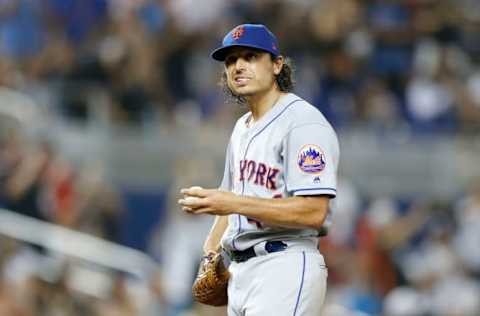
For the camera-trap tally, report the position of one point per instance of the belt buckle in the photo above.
(275, 246)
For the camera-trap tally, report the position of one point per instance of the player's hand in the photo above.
(197, 200)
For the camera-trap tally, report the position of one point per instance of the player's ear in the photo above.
(278, 65)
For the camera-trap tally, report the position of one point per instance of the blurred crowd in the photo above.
(36, 181)
(385, 66)
(36, 279)
(397, 257)
(409, 64)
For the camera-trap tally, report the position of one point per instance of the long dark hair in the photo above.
(284, 79)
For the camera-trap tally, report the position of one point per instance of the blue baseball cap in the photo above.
(248, 35)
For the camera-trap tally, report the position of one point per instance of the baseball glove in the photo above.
(210, 285)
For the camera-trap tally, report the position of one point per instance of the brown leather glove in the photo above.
(210, 285)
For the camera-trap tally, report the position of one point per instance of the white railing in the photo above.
(76, 244)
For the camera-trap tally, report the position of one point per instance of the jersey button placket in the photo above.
(244, 138)
(243, 156)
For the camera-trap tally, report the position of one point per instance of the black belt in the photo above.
(244, 255)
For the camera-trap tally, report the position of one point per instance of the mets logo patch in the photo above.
(311, 159)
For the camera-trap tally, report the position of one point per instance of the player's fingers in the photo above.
(187, 209)
(190, 210)
(194, 191)
(202, 210)
(192, 202)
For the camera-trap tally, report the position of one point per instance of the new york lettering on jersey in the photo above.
(258, 173)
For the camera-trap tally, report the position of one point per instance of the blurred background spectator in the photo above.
(108, 107)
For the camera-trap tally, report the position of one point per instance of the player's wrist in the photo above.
(209, 252)
(228, 203)
(211, 248)
(247, 205)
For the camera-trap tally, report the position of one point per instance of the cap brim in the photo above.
(220, 53)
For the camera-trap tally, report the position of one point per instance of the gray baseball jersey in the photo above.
(291, 151)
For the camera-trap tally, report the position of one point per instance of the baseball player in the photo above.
(280, 174)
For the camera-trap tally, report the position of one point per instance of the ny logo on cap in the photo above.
(238, 32)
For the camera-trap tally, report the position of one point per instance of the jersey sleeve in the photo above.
(227, 181)
(311, 154)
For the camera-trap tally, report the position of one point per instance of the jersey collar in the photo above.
(272, 113)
